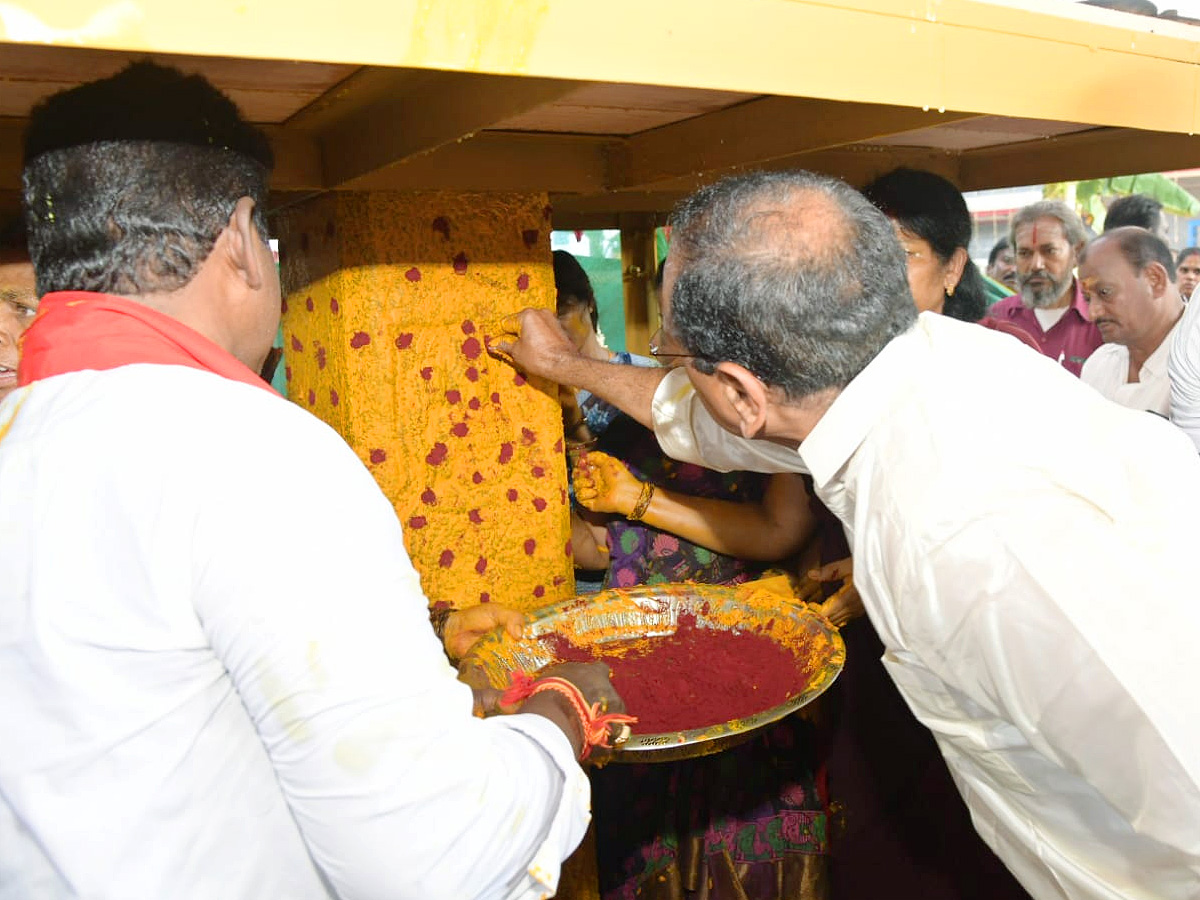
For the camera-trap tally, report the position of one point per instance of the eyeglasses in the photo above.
(657, 353)
(702, 363)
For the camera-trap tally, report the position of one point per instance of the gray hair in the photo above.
(1072, 225)
(793, 275)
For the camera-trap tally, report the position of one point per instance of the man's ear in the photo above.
(1156, 277)
(746, 395)
(243, 244)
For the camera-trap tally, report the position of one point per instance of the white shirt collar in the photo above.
(845, 425)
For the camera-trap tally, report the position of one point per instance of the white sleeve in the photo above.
(308, 596)
(687, 431)
(1183, 368)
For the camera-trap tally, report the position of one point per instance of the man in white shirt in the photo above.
(1039, 613)
(1183, 370)
(1126, 279)
(196, 705)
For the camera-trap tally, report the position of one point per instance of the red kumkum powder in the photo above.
(696, 678)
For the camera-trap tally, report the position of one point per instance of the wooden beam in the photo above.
(603, 210)
(297, 160)
(812, 48)
(1097, 153)
(856, 164)
(427, 110)
(500, 161)
(759, 133)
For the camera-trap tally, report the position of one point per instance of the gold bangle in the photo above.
(643, 503)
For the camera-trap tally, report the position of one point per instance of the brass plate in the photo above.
(623, 615)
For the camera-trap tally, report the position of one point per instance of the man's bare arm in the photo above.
(537, 345)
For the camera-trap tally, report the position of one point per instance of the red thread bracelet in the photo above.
(595, 725)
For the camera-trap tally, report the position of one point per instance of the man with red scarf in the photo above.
(195, 706)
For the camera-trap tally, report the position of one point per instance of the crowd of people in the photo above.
(1001, 461)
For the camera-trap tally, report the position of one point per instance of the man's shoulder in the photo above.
(1010, 306)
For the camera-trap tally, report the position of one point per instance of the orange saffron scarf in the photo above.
(76, 331)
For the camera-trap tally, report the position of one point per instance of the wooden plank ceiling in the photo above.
(600, 148)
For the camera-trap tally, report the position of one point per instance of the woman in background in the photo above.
(18, 301)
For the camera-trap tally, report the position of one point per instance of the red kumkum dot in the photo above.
(558, 448)
(530, 546)
(522, 282)
(308, 304)
(477, 478)
(570, 550)
(417, 522)
(428, 497)
(485, 597)
(321, 357)
(506, 451)
(468, 327)
(296, 345)
(496, 397)
(287, 372)
(538, 472)
(378, 456)
(511, 494)
(333, 397)
(446, 560)
(427, 372)
(471, 348)
(453, 397)
(312, 397)
(283, 306)
(472, 374)
(481, 565)
(539, 504)
(360, 340)
(459, 429)
(442, 226)
(539, 591)
(475, 517)
(404, 341)
(333, 304)
(528, 436)
(460, 264)
(518, 379)
(473, 403)
(437, 455)
(558, 579)
(413, 274)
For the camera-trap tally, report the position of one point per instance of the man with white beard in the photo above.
(1047, 237)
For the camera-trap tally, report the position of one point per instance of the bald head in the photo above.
(1139, 247)
(792, 275)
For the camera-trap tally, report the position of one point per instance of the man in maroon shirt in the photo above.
(1050, 308)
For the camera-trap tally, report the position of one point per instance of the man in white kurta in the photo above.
(1038, 612)
(1183, 369)
(1127, 279)
(217, 673)
(1022, 545)
(201, 702)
